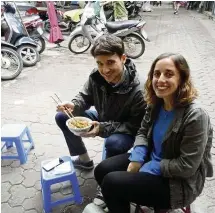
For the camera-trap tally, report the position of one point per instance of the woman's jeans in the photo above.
(114, 144)
(120, 188)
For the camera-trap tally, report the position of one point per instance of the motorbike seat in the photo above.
(120, 25)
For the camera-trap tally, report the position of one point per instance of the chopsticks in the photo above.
(66, 111)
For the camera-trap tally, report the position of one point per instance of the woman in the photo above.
(171, 155)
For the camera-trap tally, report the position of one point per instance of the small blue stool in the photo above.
(14, 133)
(49, 178)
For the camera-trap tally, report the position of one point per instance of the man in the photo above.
(116, 93)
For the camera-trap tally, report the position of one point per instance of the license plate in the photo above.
(40, 30)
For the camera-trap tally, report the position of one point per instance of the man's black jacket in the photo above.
(120, 109)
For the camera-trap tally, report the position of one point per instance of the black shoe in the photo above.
(78, 164)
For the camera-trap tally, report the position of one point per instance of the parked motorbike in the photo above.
(11, 62)
(34, 26)
(66, 21)
(15, 34)
(91, 27)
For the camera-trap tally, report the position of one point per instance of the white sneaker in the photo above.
(106, 209)
(92, 208)
(99, 200)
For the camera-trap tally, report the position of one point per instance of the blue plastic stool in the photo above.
(49, 178)
(14, 133)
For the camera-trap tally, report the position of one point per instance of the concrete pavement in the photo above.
(26, 100)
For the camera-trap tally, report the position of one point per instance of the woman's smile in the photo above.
(162, 88)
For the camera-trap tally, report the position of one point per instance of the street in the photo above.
(27, 100)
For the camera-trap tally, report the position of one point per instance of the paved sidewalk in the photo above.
(26, 100)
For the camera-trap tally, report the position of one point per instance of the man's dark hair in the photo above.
(108, 45)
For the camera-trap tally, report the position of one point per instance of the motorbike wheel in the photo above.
(41, 44)
(29, 55)
(83, 44)
(47, 26)
(11, 63)
(130, 42)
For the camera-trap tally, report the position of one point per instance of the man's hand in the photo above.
(62, 106)
(94, 132)
(134, 167)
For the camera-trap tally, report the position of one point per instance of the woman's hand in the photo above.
(134, 167)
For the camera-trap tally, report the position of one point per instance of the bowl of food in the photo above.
(79, 125)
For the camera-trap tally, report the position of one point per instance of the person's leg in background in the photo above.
(176, 7)
(75, 143)
(189, 5)
(119, 187)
